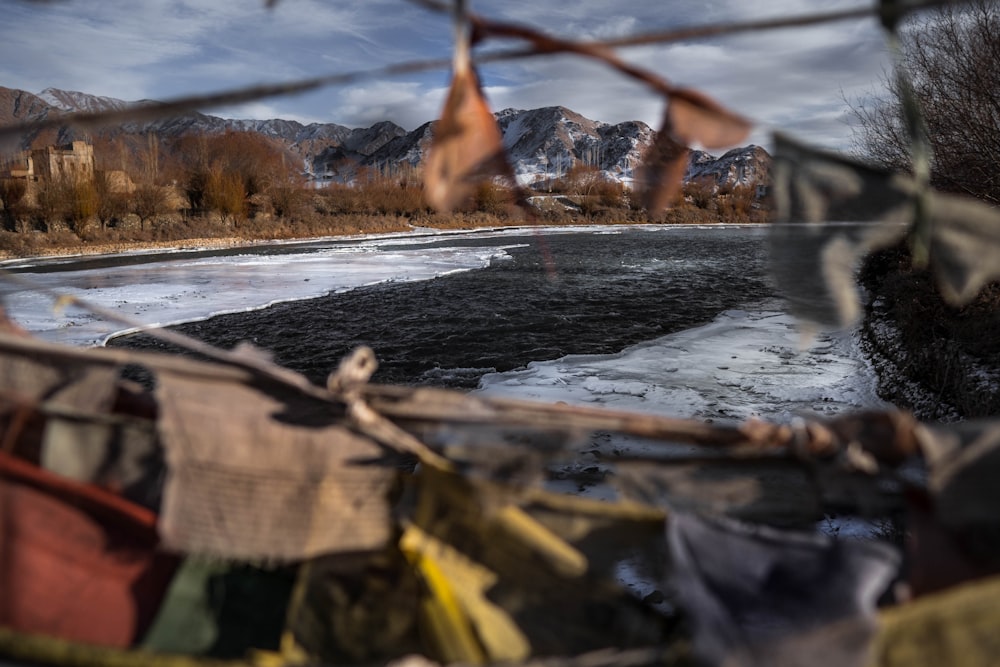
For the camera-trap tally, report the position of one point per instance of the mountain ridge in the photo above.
(543, 144)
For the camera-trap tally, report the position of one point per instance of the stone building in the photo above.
(69, 163)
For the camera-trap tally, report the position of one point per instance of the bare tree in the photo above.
(112, 205)
(147, 202)
(225, 193)
(84, 201)
(951, 58)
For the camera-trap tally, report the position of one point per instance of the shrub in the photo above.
(951, 58)
(700, 194)
(50, 203)
(195, 186)
(287, 201)
(612, 194)
(258, 164)
(492, 198)
(735, 204)
(378, 197)
(688, 215)
(16, 244)
(12, 192)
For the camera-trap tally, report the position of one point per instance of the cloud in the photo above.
(159, 49)
(52, 45)
(163, 48)
(265, 111)
(794, 80)
(407, 104)
(585, 87)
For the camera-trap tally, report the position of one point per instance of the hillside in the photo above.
(543, 143)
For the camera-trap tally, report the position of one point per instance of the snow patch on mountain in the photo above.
(75, 101)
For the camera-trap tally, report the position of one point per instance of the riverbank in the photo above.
(81, 248)
(331, 216)
(174, 231)
(941, 363)
(138, 246)
(28, 245)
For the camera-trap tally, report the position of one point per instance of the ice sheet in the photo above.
(742, 365)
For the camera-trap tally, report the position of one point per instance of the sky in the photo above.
(796, 80)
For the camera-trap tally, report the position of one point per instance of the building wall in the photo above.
(118, 181)
(73, 162)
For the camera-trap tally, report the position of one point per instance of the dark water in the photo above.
(608, 291)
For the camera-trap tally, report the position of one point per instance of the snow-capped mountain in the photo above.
(747, 166)
(543, 144)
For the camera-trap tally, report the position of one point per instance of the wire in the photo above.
(188, 104)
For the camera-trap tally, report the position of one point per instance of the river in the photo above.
(676, 320)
